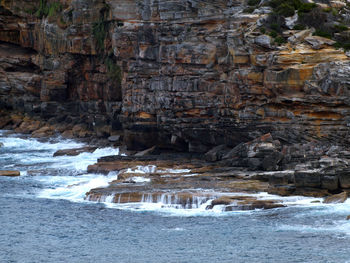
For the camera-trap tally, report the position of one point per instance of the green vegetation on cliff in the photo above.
(113, 70)
(287, 8)
(99, 31)
(48, 9)
(331, 22)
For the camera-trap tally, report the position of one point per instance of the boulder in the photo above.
(335, 199)
(317, 42)
(68, 134)
(300, 36)
(224, 200)
(10, 173)
(251, 205)
(291, 21)
(44, 131)
(238, 151)
(4, 120)
(338, 4)
(263, 153)
(216, 153)
(264, 41)
(75, 151)
(271, 161)
(254, 164)
(114, 138)
(1, 144)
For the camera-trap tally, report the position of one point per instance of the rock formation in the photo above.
(185, 74)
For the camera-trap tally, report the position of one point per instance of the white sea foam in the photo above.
(73, 188)
(142, 169)
(169, 210)
(81, 161)
(33, 144)
(64, 177)
(140, 179)
(334, 227)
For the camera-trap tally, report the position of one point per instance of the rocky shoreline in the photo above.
(242, 95)
(186, 179)
(265, 164)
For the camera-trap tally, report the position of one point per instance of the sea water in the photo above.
(45, 218)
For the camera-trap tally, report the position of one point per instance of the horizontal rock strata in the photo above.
(202, 77)
(187, 75)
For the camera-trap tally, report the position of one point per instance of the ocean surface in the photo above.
(44, 218)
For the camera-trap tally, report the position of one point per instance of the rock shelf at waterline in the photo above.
(192, 183)
(10, 173)
(169, 180)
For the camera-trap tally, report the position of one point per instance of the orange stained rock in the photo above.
(193, 112)
(144, 115)
(308, 55)
(261, 112)
(277, 119)
(318, 131)
(325, 115)
(256, 76)
(241, 59)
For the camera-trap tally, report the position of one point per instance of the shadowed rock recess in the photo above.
(237, 81)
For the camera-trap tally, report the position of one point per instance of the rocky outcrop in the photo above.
(186, 75)
(10, 173)
(196, 76)
(190, 184)
(74, 152)
(338, 198)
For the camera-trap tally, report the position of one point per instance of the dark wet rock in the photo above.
(10, 173)
(114, 138)
(282, 190)
(330, 182)
(75, 151)
(222, 201)
(257, 204)
(216, 153)
(335, 199)
(271, 161)
(280, 178)
(309, 178)
(263, 153)
(344, 178)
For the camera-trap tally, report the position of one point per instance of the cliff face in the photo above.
(184, 74)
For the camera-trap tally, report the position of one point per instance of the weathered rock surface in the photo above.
(338, 198)
(75, 151)
(176, 186)
(192, 76)
(186, 75)
(9, 173)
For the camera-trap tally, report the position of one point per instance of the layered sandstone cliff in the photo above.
(182, 74)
